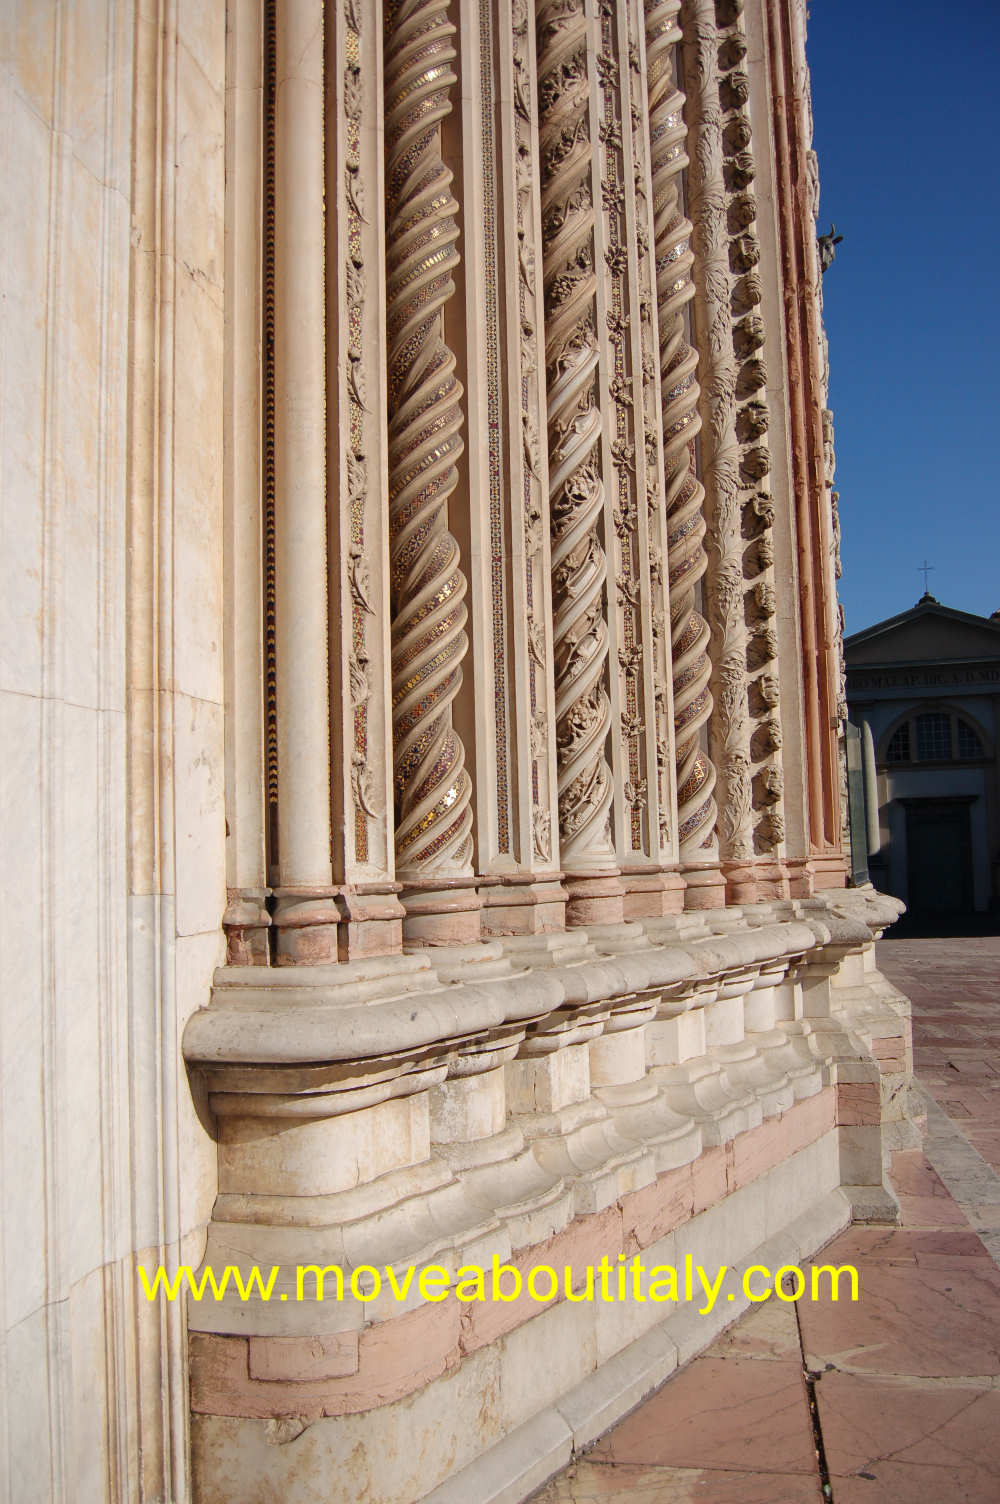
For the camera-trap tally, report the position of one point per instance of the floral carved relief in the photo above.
(721, 217)
(532, 412)
(367, 800)
(681, 423)
(742, 602)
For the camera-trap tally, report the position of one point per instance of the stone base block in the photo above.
(447, 915)
(594, 899)
(531, 908)
(872, 1203)
(704, 886)
(653, 895)
(486, 1403)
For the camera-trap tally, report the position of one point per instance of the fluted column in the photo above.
(688, 561)
(432, 787)
(306, 920)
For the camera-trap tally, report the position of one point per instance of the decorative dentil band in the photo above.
(576, 489)
(696, 814)
(433, 789)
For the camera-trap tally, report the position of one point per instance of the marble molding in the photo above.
(819, 622)
(543, 1098)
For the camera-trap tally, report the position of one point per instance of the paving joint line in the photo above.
(809, 1378)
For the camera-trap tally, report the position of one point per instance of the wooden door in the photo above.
(939, 858)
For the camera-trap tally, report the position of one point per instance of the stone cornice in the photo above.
(384, 1010)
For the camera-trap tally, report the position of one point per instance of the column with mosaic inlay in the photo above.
(433, 789)
(587, 727)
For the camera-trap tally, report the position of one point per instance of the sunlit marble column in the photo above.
(305, 917)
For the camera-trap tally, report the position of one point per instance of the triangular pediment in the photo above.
(929, 633)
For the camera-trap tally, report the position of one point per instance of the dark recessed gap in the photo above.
(809, 1379)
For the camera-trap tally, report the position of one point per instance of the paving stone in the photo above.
(744, 1413)
(941, 1439)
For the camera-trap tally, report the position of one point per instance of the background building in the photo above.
(927, 683)
(421, 691)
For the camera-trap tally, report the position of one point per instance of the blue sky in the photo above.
(905, 106)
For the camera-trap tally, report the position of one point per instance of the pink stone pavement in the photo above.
(906, 1382)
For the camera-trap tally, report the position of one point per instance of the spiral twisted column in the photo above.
(433, 790)
(576, 489)
(687, 559)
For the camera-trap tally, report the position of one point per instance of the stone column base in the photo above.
(306, 926)
(704, 886)
(446, 912)
(522, 905)
(653, 895)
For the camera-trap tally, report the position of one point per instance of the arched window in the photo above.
(969, 744)
(898, 749)
(934, 736)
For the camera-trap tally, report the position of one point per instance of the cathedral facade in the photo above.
(423, 691)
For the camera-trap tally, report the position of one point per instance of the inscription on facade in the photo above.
(923, 678)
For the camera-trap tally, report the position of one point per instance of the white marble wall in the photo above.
(110, 678)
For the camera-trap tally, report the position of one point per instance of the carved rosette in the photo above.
(576, 489)
(687, 560)
(433, 789)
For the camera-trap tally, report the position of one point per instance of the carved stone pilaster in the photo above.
(433, 790)
(535, 600)
(721, 219)
(635, 522)
(752, 424)
(663, 820)
(576, 483)
(696, 775)
(796, 199)
(627, 455)
(367, 793)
